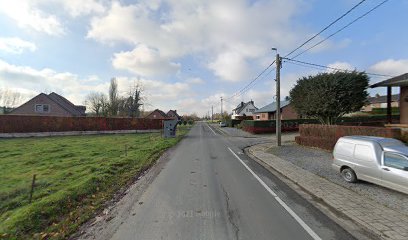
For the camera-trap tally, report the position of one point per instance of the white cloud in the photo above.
(230, 66)
(28, 79)
(341, 65)
(82, 7)
(23, 79)
(27, 15)
(16, 45)
(391, 67)
(227, 34)
(144, 61)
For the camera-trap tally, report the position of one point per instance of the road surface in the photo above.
(209, 189)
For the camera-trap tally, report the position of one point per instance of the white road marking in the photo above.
(211, 129)
(283, 204)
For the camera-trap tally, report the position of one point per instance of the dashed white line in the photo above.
(282, 203)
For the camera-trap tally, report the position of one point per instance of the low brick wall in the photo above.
(32, 124)
(325, 136)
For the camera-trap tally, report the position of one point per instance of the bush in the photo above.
(190, 122)
(268, 126)
(184, 122)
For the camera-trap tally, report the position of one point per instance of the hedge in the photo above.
(257, 126)
(233, 122)
(326, 136)
(268, 126)
(394, 110)
(24, 124)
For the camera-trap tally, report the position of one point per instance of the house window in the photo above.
(154, 115)
(42, 108)
(257, 117)
(251, 110)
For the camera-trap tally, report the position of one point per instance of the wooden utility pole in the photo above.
(278, 114)
(221, 109)
(212, 113)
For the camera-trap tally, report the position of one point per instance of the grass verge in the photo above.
(75, 175)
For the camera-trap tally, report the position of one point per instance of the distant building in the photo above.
(50, 105)
(157, 114)
(268, 112)
(380, 102)
(173, 115)
(244, 109)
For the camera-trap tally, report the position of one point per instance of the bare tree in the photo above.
(10, 99)
(134, 101)
(95, 102)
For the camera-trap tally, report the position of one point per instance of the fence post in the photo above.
(32, 188)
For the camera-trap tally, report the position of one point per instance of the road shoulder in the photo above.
(344, 206)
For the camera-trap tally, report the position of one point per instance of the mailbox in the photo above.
(169, 128)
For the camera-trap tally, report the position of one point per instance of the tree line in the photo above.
(113, 104)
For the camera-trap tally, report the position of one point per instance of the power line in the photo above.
(240, 92)
(333, 68)
(325, 28)
(341, 29)
(253, 84)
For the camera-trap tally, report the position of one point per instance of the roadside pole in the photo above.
(221, 109)
(278, 114)
(212, 113)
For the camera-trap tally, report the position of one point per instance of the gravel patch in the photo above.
(319, 162)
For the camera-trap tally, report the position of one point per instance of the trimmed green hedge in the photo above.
(268, 126)
(394, 110)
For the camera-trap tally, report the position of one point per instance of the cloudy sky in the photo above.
(189, 53)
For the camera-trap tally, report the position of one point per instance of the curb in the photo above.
(373, 218)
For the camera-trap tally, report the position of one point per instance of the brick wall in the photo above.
(25, 124)
(325, 136)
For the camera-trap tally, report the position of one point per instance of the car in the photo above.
(223, 124)
(382, 161)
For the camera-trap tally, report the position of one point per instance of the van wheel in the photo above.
(349, 175)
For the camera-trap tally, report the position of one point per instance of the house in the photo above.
(173, 115)
(49, 105)
(157, 114)
(400, 81)
(380, 102)
(244, 109)
(268, 112)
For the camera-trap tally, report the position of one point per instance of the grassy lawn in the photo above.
(75, 176)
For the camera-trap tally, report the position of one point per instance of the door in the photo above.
(395, 171)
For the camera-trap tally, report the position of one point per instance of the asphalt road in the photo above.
(209, 189)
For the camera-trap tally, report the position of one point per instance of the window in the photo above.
(42, 108)
(251, 110)
(395, 161)
(257, 116)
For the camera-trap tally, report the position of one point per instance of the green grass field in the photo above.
(75, 175)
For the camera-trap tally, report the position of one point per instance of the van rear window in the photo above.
(345, 148)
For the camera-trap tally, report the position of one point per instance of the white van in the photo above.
(383, 161)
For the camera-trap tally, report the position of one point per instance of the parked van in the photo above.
(383, 161)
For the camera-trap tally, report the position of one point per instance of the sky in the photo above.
(186, 54)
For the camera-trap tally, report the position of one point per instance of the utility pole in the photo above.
(221, 109)
(278, 114)
(212, 113)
